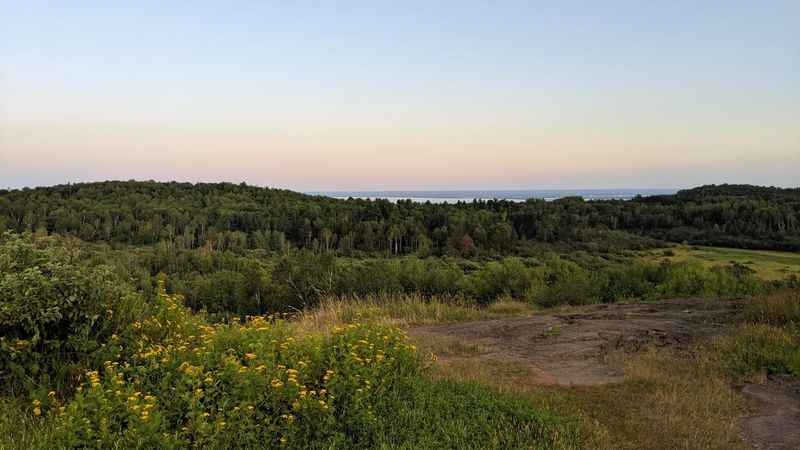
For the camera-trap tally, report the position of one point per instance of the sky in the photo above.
(373, 95)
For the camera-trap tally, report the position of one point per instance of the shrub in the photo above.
(630, 281)
(576, 290)
(508, 277)
(565, 283)
(57, 315)
(302, 280)
(734, 280)
(236, 385)
(756, 348)
(431, 277)
(683, 279)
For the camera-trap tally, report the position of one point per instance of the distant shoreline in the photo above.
(511, 195)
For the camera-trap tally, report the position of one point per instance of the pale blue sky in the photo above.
(401, 95)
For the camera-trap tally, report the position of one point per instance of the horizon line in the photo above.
(392, 190)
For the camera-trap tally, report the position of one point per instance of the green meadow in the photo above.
(768, 264)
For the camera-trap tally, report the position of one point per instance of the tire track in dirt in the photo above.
(775, 425)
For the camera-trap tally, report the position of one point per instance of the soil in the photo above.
(775, 424)
(573, 349)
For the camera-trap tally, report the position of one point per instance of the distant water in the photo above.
(513, 195)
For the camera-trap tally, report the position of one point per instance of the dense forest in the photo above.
(235, 217)
(238, 249)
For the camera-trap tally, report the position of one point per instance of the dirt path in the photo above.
(776, 422)
(572, 349)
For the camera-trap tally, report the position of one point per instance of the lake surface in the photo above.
(512, 195)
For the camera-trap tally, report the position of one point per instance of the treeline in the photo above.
(230, 217)
(225, 283)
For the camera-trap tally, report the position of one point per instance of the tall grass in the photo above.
(402, 310)
(20, 428)
(779, 309)
(668, 401)
(768, 342)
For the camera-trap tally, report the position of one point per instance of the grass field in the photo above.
(769, 265)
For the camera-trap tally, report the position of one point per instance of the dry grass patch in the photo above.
(669, 401)
(510, 307)
(779, 309)
(402, 311)
(449, 347)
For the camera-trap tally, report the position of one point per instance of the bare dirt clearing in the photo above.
(579, 349)
(574, 348)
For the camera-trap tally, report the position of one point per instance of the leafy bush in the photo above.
(734, 280)
(690, 279)
(684, 279)
(636, 280)
(57, 315)
(576, 290)
(302, 280)
(508, 277)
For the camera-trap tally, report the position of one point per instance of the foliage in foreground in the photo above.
(254, 385)
(236, 385)
(56, 314)
(161, 376)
